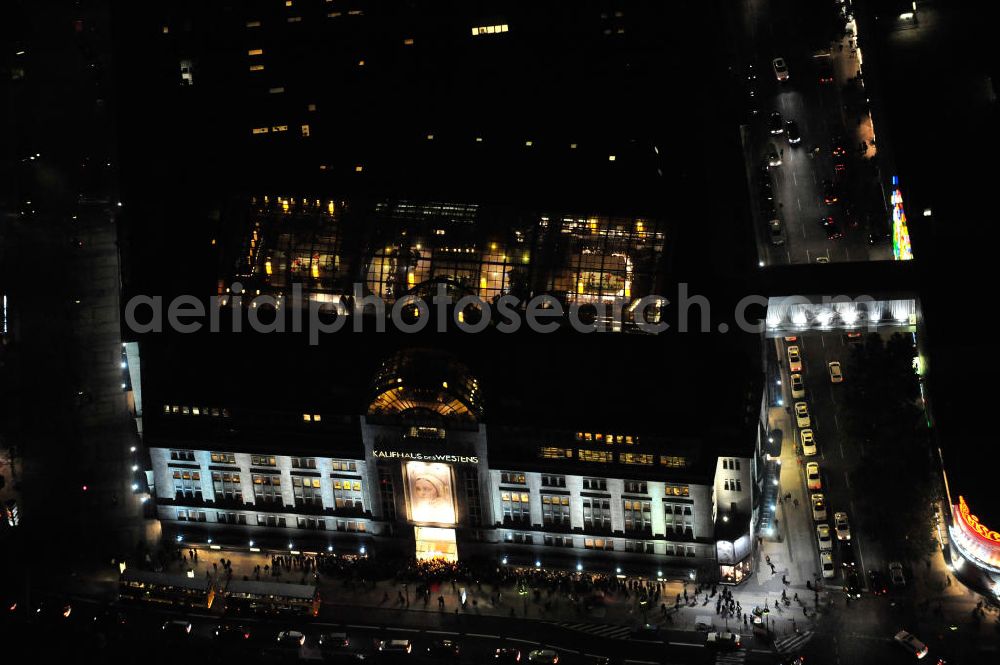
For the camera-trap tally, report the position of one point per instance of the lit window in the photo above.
(276, 91)
(305, 130)
(355, 12)
(358, 168)
(279, 128)
(288, 3)
(547, 452)
(311, 107)
(635, 458)
(317, 417)
(408, 41)
(255, 51)
(307, 417)
(361, 63)
(528, 143)
(256, 68)
(333, 14)
(253, 24)
(294, 19)
(602, 456)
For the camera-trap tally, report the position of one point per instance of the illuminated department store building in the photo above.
(404, 454)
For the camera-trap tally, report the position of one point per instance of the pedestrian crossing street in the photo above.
(787, 645)
(599, 629)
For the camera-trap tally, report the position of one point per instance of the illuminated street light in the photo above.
(504, 561)
(179, 538)
(538, 564)
(251, 543)
(618, 570)
(579, 567)
(329, 548)
(135, 486)
(362, 550)
(135, 467)
(132, 449)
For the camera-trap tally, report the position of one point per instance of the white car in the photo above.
(823, 537)
(836, 374)
(780, 69)
(808, 440)
(794, 359)
(819, 507)
(896, 574)
(773, 156)
(395, 646)
(724, 640)
(291, 638)
(826, 560)
(911, 644)
(798, 388)
(813, 480)
(842, 526)
(802, 418)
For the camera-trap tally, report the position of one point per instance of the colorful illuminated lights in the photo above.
(973, 523)
(976, 542)
(901, 249)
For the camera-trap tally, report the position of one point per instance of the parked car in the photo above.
(333, 641)
(802, 418)
(847, 558)
(825, 72)
(911, 644)
(291, 638)
(232, 632)
(813, 481)
(776, 231)
(794, 359)
(826, 561)
(723, 641)
(808, 440)
(818, 502)
(836, 374)
(896, 574)
(823, 538)
(842, 526)
(798, 389)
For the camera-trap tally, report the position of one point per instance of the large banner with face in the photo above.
(431, 497)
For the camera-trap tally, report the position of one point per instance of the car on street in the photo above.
(507, 656)
(780, 69)
(818, 502)
(776, 232)
(813, 481)
(896, 574)
(765, 189)
(798, 388)
(176, 628)
(773, 156)
(911, 644)
(543, 656)
(647, 631)
(395, 646)
(794, 359)
(792, 132)
(723, 640)
(443, 650)
(802, 418)
(852, 584)
(823, 538)
(232, 633)
(847, 559)
(808, 440)
(291, 638)
(831, 228)
(876, 582)
(791, 339)
(826, 561)
(836, 373)
(825, 72)
(837, 147)
(842, 526)
(333, 641)
(775, 123)
(830, 195)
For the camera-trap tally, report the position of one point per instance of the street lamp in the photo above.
(579, 567)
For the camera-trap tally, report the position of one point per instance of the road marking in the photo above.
(685, 644)
(840, 444)
(405, 630)
(643, 662)
(353, 625)
(794, 179)
(514, 639)
(798, 202)
(440, 632)
(488, 637)
(836, 422)
(847, 481)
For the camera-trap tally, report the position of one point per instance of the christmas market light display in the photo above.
(901, 249)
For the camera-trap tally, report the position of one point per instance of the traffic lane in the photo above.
(478, 636)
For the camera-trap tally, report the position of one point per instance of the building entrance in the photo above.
(435, 543)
